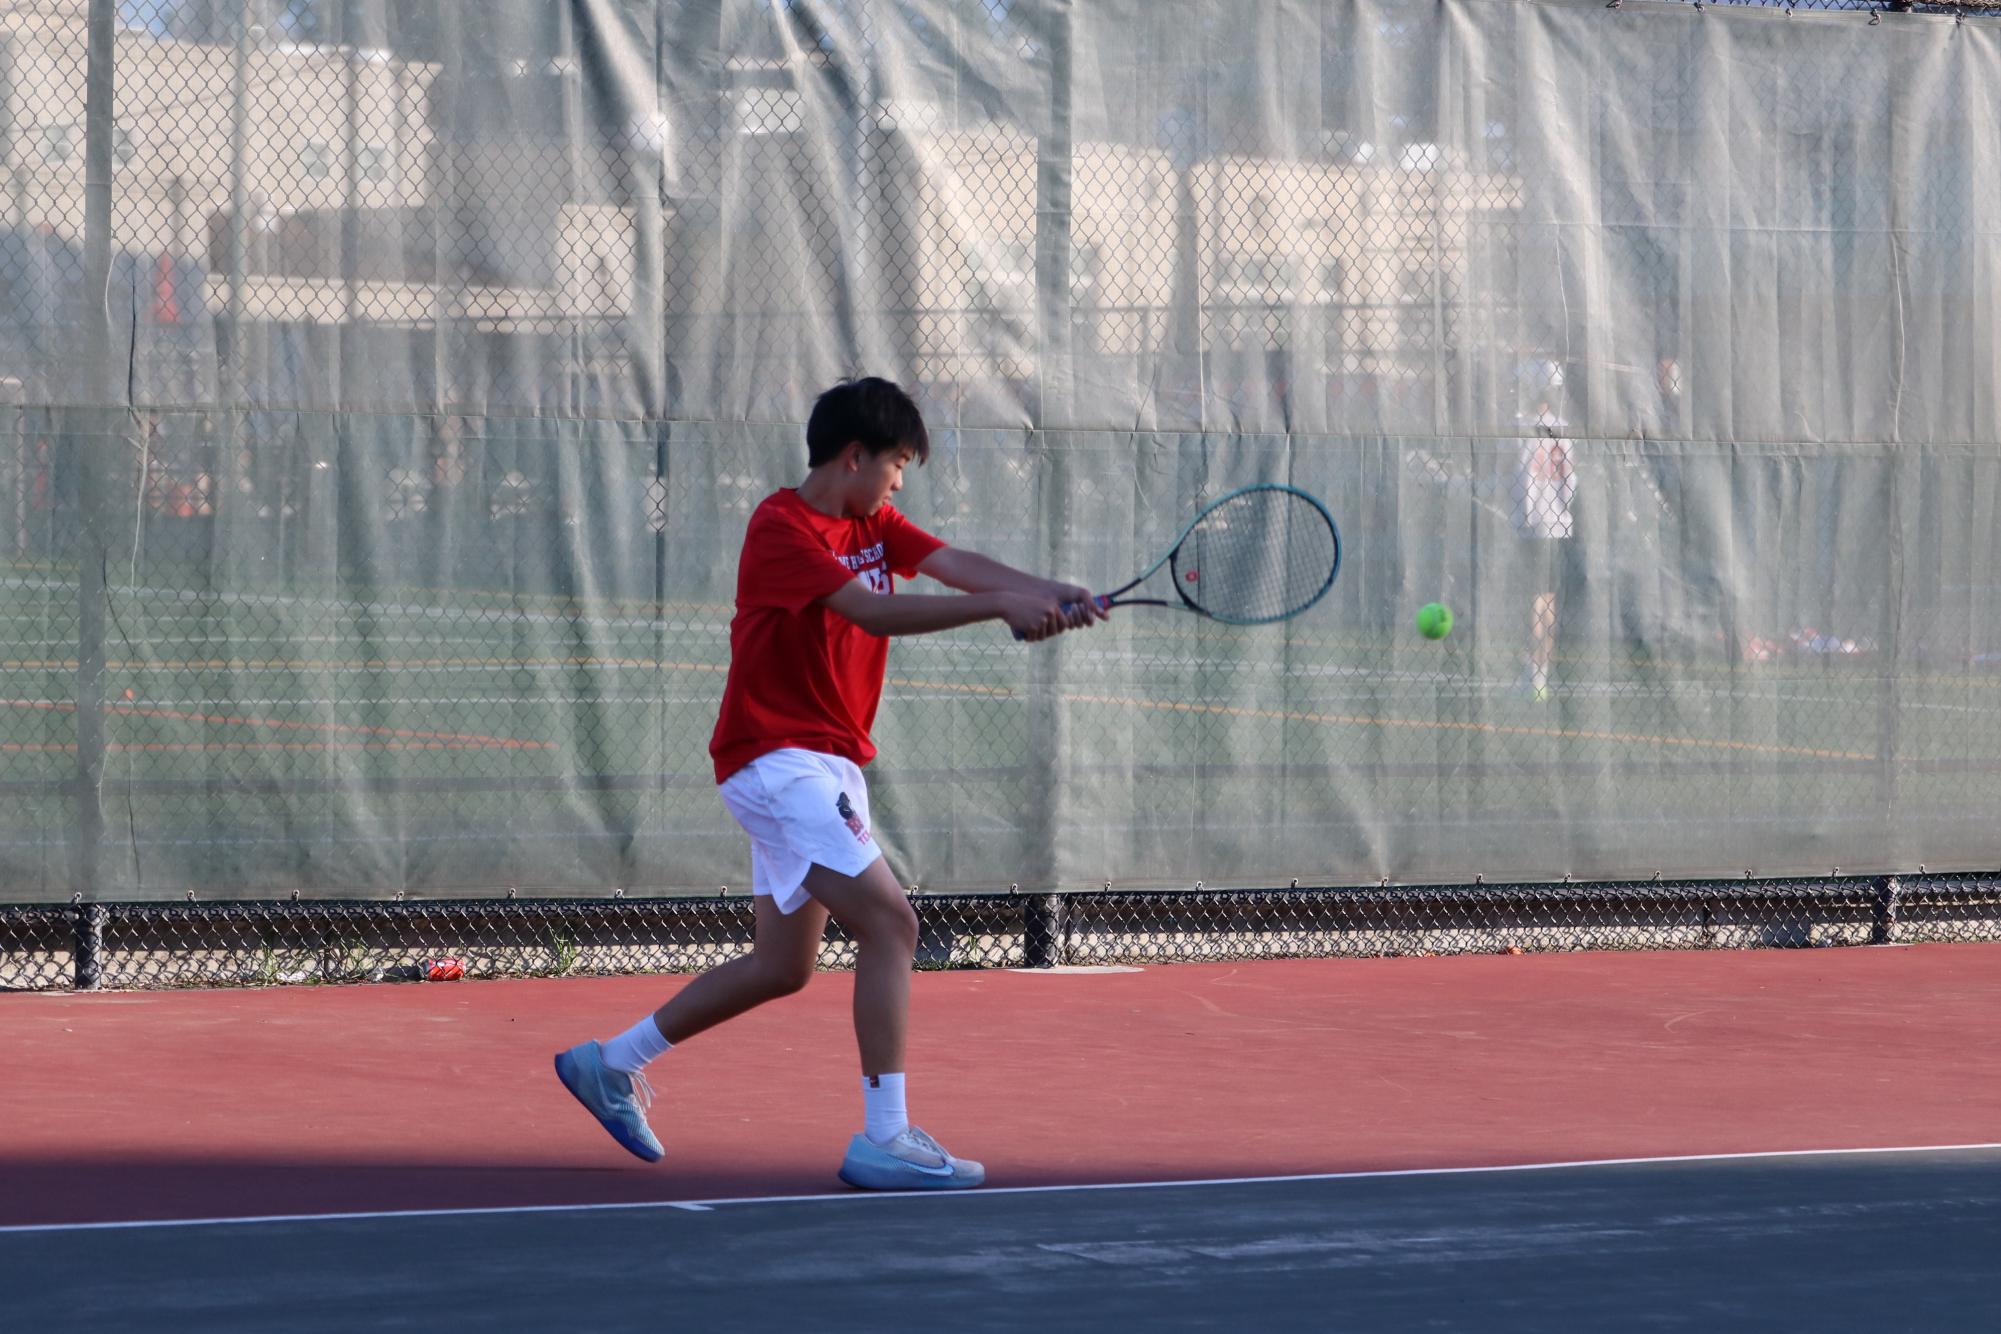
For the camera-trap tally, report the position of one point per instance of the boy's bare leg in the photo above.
(604, 1076)
(780, 963)
(890, 1153)
(875, 911)
(1542, 638)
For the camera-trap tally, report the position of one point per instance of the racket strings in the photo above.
(1259, 556)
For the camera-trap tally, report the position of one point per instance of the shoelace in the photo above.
(924, 1141)
(642, 1092)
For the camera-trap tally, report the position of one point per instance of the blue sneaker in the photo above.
(616, 1099)
(911, 1161)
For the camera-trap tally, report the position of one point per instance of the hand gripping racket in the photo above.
(1259, 554)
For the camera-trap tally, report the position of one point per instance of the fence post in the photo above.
(1042, 930)
(1046, 810)
(87, 956)
(1055, 165)
(88, 434)
(1889, 897)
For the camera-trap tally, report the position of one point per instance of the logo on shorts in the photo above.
(855, 825)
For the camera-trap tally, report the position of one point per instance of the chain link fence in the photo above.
(265, 943)
(384, 389)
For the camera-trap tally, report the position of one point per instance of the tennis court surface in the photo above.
(1765, 1139)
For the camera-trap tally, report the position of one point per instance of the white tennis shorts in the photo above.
(800, 808)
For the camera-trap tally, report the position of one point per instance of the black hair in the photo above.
(871, 410)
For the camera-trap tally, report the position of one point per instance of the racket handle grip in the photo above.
(1072, 608)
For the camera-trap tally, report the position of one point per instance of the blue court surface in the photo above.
(1881, 1240)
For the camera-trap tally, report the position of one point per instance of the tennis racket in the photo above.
(1259, 554)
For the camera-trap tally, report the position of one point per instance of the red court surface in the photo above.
(440, 1095)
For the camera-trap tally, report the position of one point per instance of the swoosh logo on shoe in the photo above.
(943, 1170)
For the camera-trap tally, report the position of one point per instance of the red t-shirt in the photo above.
(800, 674)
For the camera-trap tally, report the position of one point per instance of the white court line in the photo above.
(710, 1206)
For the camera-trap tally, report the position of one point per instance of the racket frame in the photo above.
(1106, 601)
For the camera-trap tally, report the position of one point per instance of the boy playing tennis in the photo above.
(807, 651)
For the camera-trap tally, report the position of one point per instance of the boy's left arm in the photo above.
(970, 572)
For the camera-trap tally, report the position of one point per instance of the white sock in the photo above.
(883, 1116)
(632, 1049)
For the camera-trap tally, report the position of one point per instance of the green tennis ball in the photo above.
(1434, 620)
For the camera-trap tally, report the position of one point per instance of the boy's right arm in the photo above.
(919, 614)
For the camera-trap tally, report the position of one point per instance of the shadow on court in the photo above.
(163, 1186)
